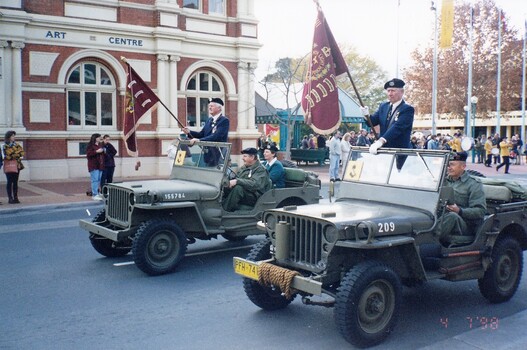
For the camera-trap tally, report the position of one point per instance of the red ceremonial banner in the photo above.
(320, 97)
(139, 99)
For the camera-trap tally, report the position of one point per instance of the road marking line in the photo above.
(126, 263)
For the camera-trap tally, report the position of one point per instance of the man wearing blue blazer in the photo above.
(216, 128)
(395, 118)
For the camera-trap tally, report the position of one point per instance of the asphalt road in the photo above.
(58, 293)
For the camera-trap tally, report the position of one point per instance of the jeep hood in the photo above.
(172, 190)
(349, 212)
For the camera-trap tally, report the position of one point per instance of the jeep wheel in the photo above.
(367, 303)
(233, 238)
(159, 246)
(503, 275)
(105, 246)
(267, 298)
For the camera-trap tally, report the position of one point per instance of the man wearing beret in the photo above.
(274, 167)
(469, 204)
(216, 129)
(395, 118)
(252, 181)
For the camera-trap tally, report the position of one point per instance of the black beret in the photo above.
(461, 156)
(250, 150)
(394, 83)
(272, 148)
(217, 100)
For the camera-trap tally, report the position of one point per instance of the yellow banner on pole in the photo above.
(447, 24)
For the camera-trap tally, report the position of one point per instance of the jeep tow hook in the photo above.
(325, 303)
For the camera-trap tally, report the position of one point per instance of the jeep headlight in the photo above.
(330, 233)
(270, 222)
(131, 198)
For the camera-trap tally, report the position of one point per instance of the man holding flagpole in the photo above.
(216, 129)
(395, 118)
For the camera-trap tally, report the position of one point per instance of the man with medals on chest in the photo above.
(216, 129)
(395, 118)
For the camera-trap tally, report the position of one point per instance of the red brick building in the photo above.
(62, 79)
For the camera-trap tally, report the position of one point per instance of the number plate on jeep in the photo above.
(246, 268)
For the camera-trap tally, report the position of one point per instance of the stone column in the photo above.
(251, 110)
(173, 91)
(242, 96)
(16, 85)
(162, 114)
(3, 83)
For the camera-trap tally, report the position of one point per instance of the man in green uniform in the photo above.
(469, 206)
(251, 182)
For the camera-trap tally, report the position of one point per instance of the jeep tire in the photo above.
(503, 275)
(159, 245)
(367, 303)
(105, 246)
(267, 298)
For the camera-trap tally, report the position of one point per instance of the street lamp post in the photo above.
(472, 109)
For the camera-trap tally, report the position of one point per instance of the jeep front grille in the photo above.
(305, 242)
(118, 204)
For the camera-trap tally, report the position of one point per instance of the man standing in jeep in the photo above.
(252, 181)
(395, 118)
(216, 129)
(469, 207)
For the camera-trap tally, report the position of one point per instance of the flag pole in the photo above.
(161, 102)
(368, 120)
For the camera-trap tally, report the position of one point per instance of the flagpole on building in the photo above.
(498, 84)
(397, 41)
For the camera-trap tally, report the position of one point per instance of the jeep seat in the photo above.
(294, 177)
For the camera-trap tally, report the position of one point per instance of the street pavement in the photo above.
(510, 334)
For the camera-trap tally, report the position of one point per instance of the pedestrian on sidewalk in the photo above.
(488, 152)
(335, 151)
(12, 151)
(109, 161)
(505, 154)
(95, 156)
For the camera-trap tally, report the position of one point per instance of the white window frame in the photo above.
(97, 88)
(197, 94)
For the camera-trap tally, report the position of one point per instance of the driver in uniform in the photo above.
(251, 182)
(469, 206)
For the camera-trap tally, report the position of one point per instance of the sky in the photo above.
(286, 27)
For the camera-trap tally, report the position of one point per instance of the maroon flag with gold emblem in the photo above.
(320, 97)
(138, 100)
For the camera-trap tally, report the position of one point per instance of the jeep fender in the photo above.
(192, 222)
(400, 252)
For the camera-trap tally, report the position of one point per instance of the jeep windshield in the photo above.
(206, 155)
(418, 169)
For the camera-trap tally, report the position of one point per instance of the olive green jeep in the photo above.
(358, 251)
(157, 219)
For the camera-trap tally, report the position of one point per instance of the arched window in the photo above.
(202, 86)
(91, 96)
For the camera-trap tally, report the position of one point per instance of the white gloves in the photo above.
(365, 111)
(375, 146)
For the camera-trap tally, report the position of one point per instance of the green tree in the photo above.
(453, 65)
(368, 76)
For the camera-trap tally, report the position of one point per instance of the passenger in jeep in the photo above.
(252, 181)
(469, 206)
